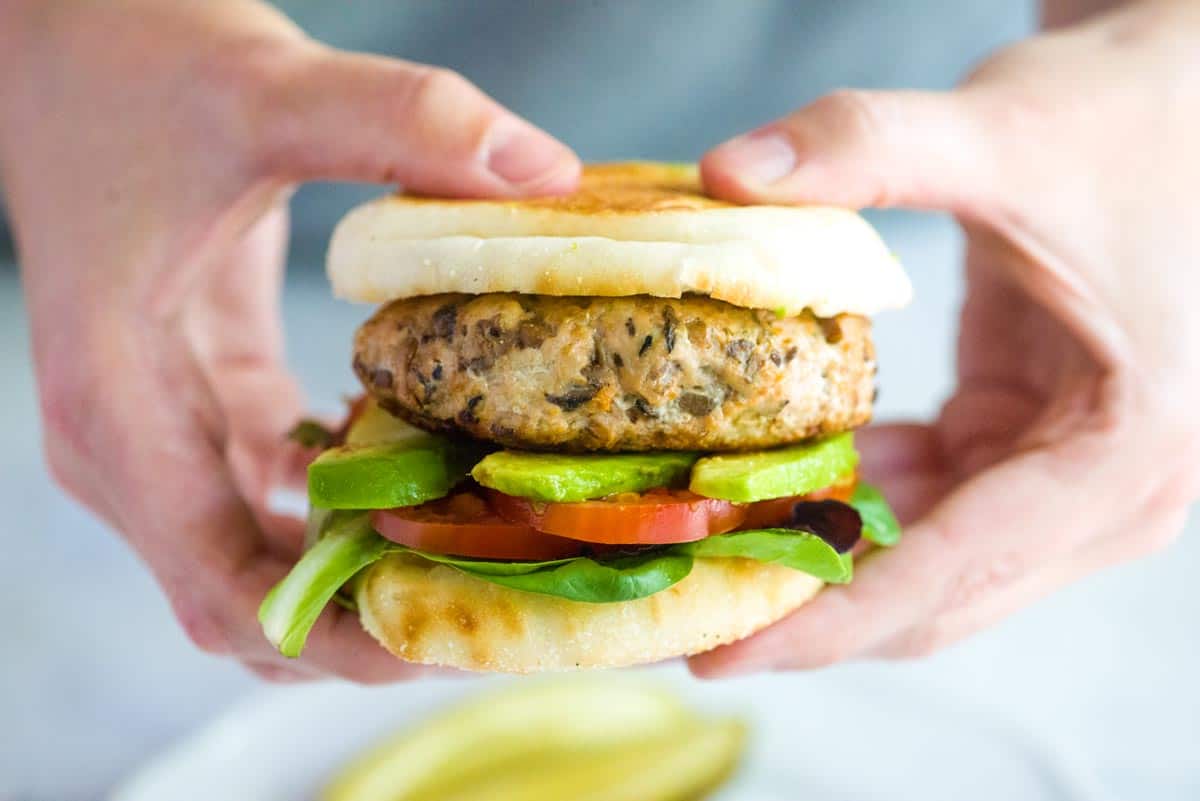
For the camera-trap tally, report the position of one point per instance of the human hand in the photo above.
(1072, 441)
(147, 151)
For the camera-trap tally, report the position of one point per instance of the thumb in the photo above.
(857, 149)
(349, 116)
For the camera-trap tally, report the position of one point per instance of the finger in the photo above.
(291, 465)
(235, 328)
(219, 600)
(857, 149)
(235, 332)
(279, 674)
(161, 455)
(344, 116)
(906, 462)
(337, 645)
(283, 533)
(985, 536)
(888, 449)
(1123, 543)
(941, 631)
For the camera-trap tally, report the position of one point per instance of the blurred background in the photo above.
(1089, 695)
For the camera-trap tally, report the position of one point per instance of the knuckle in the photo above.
(1010, 117)
(68, 420)
(854, 112)
(1168, 491)
(980, 580)
(371, 672)
(61, 419)
(920, 642)
(247, 70)
(60, 459)
(1156, 539)
(1001, 118)
(368, 678)
(434, 89)
(1184, 487)
(248, 91)
(63, 468)
(438, 97)
(947, 535)
(276, 674)
(445, 113)
(854, 124)
(203, 628)
(831, 650)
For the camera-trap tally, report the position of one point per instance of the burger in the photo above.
(597, 430)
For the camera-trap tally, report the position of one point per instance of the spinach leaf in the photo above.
(879, 523)
(625, 578)
(486, 567)
(798, 550)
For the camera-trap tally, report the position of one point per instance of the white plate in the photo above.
(835, 735)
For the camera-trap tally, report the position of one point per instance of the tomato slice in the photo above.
(463, 525)
(657, 517)
(777, 511)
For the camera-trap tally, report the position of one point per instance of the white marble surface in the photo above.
(1090, 695)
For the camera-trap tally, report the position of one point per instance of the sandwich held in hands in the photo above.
(599, 430)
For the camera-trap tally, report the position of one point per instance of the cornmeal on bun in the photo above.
(597, 430)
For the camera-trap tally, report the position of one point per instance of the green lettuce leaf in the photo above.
(879, 522)
(798, 550)
(347, 544)
(293, 605)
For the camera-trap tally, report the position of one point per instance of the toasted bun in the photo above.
(433, 614)
(631, 229)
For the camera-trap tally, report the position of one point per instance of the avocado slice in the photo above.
(564, 478)
(386, 475)
(779, 473)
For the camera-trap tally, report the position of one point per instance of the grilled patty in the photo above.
(632, 373)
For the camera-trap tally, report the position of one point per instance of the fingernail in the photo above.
(717, 664)
(524, 156)
(717, 672)
(760, 158)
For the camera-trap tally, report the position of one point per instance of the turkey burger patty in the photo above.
(633, 373)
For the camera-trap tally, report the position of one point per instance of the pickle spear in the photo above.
(579, 738)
